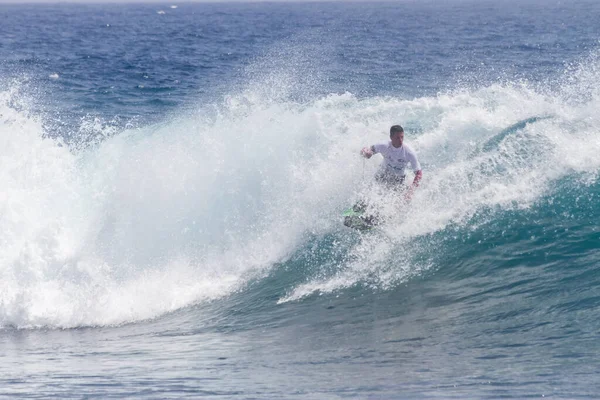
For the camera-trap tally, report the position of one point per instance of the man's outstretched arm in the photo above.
(367, 152)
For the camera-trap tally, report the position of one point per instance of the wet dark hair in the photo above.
(396, 129)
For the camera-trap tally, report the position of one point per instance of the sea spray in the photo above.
(155, 218)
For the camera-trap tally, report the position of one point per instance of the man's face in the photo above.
(397, 139)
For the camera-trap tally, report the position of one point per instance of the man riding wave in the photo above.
(391, 175)
(396, 156)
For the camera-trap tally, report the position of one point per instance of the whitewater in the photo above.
(188, 211)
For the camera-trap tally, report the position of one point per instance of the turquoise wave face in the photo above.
(504, 289)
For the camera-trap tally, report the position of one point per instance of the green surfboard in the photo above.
(356, 218)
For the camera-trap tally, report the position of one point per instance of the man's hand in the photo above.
(366, 152)
(409, 193)
(415, 184)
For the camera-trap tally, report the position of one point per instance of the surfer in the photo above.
(396, 156)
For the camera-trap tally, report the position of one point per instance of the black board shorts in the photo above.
(391, 180)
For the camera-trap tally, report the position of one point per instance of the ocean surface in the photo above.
(173, 176)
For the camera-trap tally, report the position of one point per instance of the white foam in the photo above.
(460, 179)
(151, 220)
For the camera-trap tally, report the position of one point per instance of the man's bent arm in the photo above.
(418, 176)
(411, 188)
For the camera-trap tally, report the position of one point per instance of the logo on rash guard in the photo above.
(401, 164)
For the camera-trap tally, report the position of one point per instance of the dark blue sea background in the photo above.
(173, 176)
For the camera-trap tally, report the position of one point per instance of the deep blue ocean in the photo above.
(172, 178)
